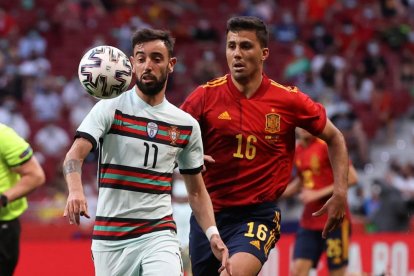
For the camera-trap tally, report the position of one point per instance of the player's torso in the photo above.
(314, 168)
(252, 141)
(137, 158)
(313, 165)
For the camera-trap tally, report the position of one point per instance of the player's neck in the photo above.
(152, 100)
(250, 86)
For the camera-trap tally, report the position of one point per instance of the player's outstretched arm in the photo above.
(338, 154)
(202, 208)
(76, 204)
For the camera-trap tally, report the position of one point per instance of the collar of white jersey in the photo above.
(142, 104)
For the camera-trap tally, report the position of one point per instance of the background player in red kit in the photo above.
(248, 126)
(314, 182)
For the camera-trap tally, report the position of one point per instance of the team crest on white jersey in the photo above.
(152, 129)
(174, 133)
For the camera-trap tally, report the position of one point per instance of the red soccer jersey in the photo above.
(252, 140)
(315, 170)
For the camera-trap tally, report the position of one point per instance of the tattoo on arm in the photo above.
(71, 166)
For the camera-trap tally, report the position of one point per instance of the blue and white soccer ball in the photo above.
(105, 72)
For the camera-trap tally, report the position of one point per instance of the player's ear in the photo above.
(265, 53)
(171, 64)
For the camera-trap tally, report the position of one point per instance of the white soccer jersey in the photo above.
(139, 147)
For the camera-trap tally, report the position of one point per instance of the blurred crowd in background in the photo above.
(355, 57)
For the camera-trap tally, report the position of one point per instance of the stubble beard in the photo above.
(152, 88)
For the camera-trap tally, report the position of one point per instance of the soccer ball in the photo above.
(105, 72)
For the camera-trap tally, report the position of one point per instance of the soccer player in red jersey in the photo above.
(248, 126)
(314, 182)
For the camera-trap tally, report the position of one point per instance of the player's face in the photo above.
(244, 55)
(151, 66)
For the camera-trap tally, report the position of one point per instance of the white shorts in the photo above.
(153, 254)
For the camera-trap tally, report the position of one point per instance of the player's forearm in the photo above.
(72, 171)
(338, 155)
(72, 165)
(202, 209)
(326, 191)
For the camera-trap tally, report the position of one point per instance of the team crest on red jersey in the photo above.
(272, 122)
(174, 133)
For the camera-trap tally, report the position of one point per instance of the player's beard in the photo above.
(154, 87)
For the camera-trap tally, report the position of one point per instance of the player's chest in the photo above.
(248, 116)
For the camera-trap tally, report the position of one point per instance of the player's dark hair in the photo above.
(146, 35)
(249, 23)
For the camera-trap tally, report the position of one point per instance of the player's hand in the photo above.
(207, 160)
(336, 208)
(76, 206)
(221, 252)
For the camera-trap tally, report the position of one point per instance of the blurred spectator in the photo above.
(347, 38)
(320, 39)
(396, 33)
(360, 86)
(357, 203)
(34, 66)
(8, 24)
(330, 67)
(375, 65)
(80, 110)
(391, 215)
(207, 68)
(312, 86)
(11, 116)
(286, 31)
(391, 8)
(124, 33)
(32, 44)
(402, 178)
(405, 78)
(264, 9)
(52, 140)
(66, 16)
(205, 32)
(298, 65)
(10, 81)
(312, 11)
(47, 104)
(72, 92)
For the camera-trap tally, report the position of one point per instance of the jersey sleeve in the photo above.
(96, 123)
(14, 149)
(194, 103)
(191, 159)
(311, 115)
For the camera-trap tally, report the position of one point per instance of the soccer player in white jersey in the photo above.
(141, 137)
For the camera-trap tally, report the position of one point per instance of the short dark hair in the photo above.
(249, 23)
(146, 35)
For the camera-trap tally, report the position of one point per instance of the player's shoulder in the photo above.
(215, 84)
(277, 87)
